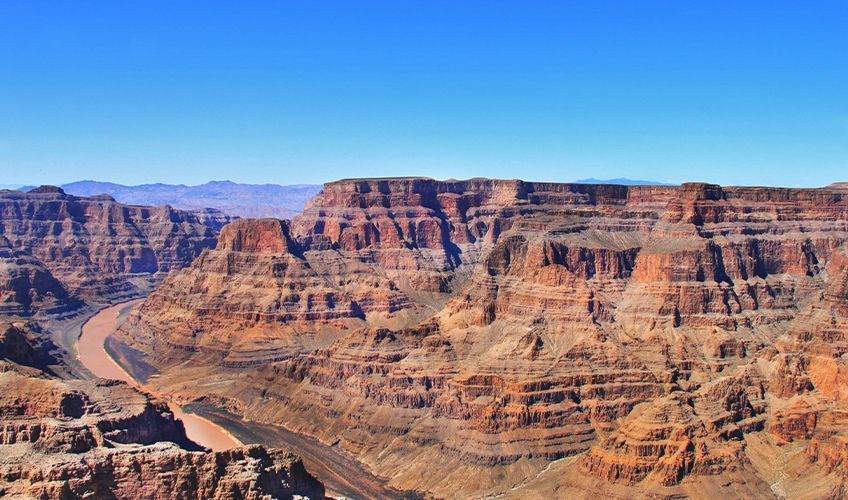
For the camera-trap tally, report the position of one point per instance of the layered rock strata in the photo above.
(489, 327)
(27, 287)
(76, 439)
(98, 249)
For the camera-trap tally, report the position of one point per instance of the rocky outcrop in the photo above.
(796, 422)
(164, 471)
(213, 218)
(27, 287)
(258, 276)
(96, 248)
(685, 433)
(74, 439)
(489, 327)
(22, 348)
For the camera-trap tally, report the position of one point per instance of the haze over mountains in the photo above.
(242, 200)
(623, 181)
(232, 198)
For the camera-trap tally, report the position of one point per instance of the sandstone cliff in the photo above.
(97, 249)
(656, 337)
(27, 287)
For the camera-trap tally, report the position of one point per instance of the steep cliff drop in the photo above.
(61, 258)
(64, 257)
(524, 337)
(100, 250)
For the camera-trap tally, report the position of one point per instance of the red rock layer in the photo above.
(258, 276)
(498, 325)
(95, 246)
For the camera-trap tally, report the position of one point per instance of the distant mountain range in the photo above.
(243, 200)
(623, 181)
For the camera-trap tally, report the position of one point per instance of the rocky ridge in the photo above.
(27, 287)
(664, 337)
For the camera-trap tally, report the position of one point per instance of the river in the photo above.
(94, 357)
(340, 473)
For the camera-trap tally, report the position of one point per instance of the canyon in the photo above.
(459, 338)
(500, 337)
(103, 439)
(67, 433)
(99, 250)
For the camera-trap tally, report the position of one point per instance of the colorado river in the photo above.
(94, 357)
(340, 473)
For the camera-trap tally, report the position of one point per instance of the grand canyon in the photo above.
(411, 337)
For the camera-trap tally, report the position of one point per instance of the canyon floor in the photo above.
(93, 355)
(219, 430)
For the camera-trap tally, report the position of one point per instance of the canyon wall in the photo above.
(57, 250)
(27, 287)
(658, 338)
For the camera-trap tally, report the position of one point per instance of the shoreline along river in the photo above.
(93, 355)
(341, 475)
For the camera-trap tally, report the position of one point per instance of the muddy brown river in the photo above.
(94, 357)
(341, 474)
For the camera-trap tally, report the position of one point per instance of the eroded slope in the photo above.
(75, 439)
(659, 338)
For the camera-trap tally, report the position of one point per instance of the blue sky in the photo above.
(308, 91)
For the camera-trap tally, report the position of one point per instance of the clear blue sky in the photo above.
(751, 92)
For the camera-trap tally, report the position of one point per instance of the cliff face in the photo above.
(27, 286)
(72, 439)
(661, 335)
(96, 248)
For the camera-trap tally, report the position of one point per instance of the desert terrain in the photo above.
(453, 339)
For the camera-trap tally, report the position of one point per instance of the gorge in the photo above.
(482, 337)
(464, 337)
(63, 258)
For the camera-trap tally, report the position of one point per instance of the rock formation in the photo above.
(27, 287)
(661, 338)
(93, 249)
(76, 439)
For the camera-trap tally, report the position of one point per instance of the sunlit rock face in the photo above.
(97, 249)
(661, 338)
